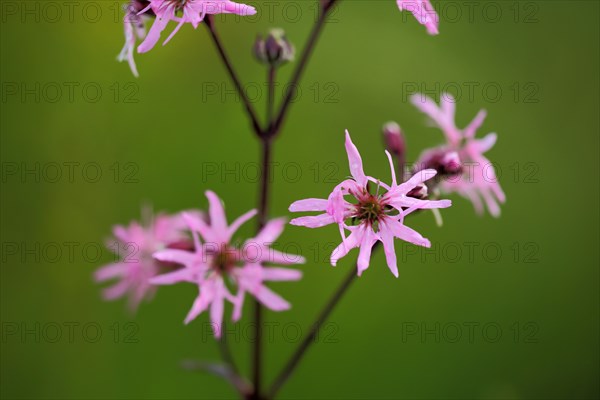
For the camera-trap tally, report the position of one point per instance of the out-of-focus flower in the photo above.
(135, 28)
(275, 50)
(395, 143)
(186, 11)
(135, 244)
(223, 271)
(423, 12)
(370, 217)
(460, 160)
(394, 139)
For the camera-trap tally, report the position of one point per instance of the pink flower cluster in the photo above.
(221, 270)
(135, 245)
(164, 11)
(369, 217)
(186, 11)
(194, 12)
(469, 172)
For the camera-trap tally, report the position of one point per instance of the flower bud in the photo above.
(275, 50)
(419, 192)
(446, 162)
(394, 139)
(451, 163)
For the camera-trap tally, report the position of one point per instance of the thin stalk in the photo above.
(309, 339)
(225, 350)
(301, 66)
(271, 94)
(263, 209)
(266, 135)
(209, 22)
(265, 180)
(273, 127)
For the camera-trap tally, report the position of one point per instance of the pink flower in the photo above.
(135, 244)
(134, 29)
(468, 172)
(191, 11)
(374, 217)
(216, 265)
(423, 12)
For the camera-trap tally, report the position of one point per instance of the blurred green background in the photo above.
(515, 318)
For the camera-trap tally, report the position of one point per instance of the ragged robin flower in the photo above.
(460, 162)
(374, 212)
(226, 272)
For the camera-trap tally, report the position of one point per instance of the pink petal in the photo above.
(336, 205)
(216, 212)
(238, 306)
(349, 186)
(270, 232)
(316, 221)
(415, 180)
(387, 238)
(343, 248)
(250, 274)
(423, 12)
(117, 290)
(498, 192)
(170, 278)
(405, 233)
(472, 195)
(182, 257)
(278, 257)
(240, 9)
(392, 167)
(177, 28)
(471, 129)
(356, 167)
(198, 225)
(418, 204)
(200, 305)
(142, 291)
(379, 183)
(127, 51)
(443, 116)
(159, 25)
(486, 143)
(448, 106)
(491, 203)
(110, 271)
(270, 299)
(239, 222)
(216, 312)
(197, 244)
(281, 274)
(308, 205)
(364, 256)
(121, 233)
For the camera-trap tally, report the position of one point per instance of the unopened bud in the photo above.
(394, 139)
(445, 161)
(419, 192)
(275, 50)
(451, 163)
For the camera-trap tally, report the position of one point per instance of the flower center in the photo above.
(178, 4)
(369, 209)
(223, 260)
